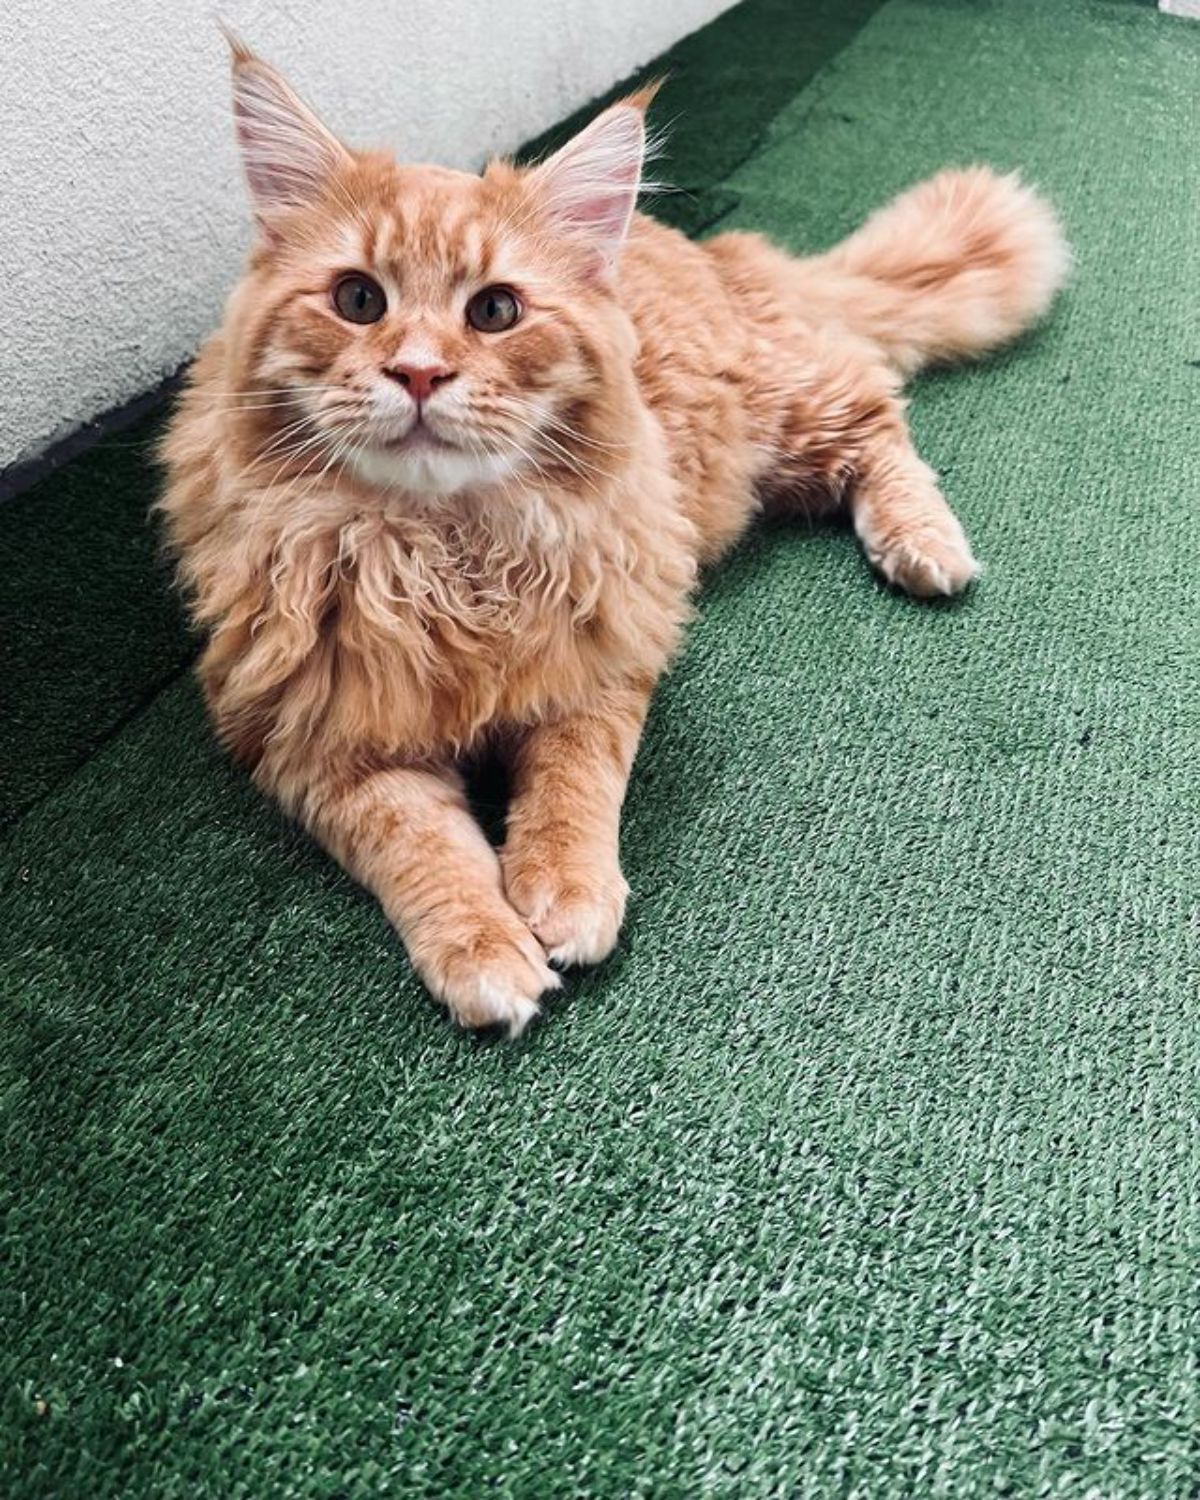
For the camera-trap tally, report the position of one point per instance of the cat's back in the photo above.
(698, 373)
(685, 320)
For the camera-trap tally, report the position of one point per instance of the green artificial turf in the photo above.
(870, 1165)
(89, 629)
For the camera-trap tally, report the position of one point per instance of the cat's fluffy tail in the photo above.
(949, 269)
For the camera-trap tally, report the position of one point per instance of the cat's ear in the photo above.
(591, 184)
(288, 155)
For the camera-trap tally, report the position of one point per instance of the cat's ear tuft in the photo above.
(288, 154)
(591, 184)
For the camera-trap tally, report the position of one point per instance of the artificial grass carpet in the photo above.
(868, 1166)
(91, 631)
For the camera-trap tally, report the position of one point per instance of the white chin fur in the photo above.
(431, 471)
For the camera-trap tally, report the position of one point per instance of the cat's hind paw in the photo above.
(928, 561)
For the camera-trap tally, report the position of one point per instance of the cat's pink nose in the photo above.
(420, 381)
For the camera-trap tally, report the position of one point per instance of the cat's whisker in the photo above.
(562, 455)
(314, 480)
(356, 210)
(311, 444)
(556, 424)
(276, 390)
(289, 433)
(545, 433)
(354, 448)
(527, 210)
(532, 461)
(281, 440)
(543, 418)
(278, 407)
(275, 400)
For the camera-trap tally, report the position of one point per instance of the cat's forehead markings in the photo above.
(356, 242)
(430, 248)
(435, 231)
(360, 245)
(472, 247)
(380, 241)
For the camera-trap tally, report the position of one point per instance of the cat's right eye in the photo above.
(358, 299)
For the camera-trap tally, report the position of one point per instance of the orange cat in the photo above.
(445, 477)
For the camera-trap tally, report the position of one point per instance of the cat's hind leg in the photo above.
(843, 440)
(906, 526)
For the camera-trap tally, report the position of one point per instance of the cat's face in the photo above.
(429, 330)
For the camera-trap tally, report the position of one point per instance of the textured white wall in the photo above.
(122, 217)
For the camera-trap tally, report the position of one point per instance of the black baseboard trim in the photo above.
(19, 477)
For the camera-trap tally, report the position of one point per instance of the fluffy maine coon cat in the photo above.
(444, 479)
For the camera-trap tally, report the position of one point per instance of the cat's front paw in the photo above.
(930, 560)
(487, 971)
(575, 913)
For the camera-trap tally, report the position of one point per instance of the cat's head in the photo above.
(427, 329)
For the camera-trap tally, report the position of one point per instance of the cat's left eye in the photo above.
(493, 310)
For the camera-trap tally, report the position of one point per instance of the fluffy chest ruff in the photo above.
(385, 634)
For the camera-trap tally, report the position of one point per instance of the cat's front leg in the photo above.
(561, 856)
(407, 834)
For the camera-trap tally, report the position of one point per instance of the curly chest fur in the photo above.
(416, 638)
